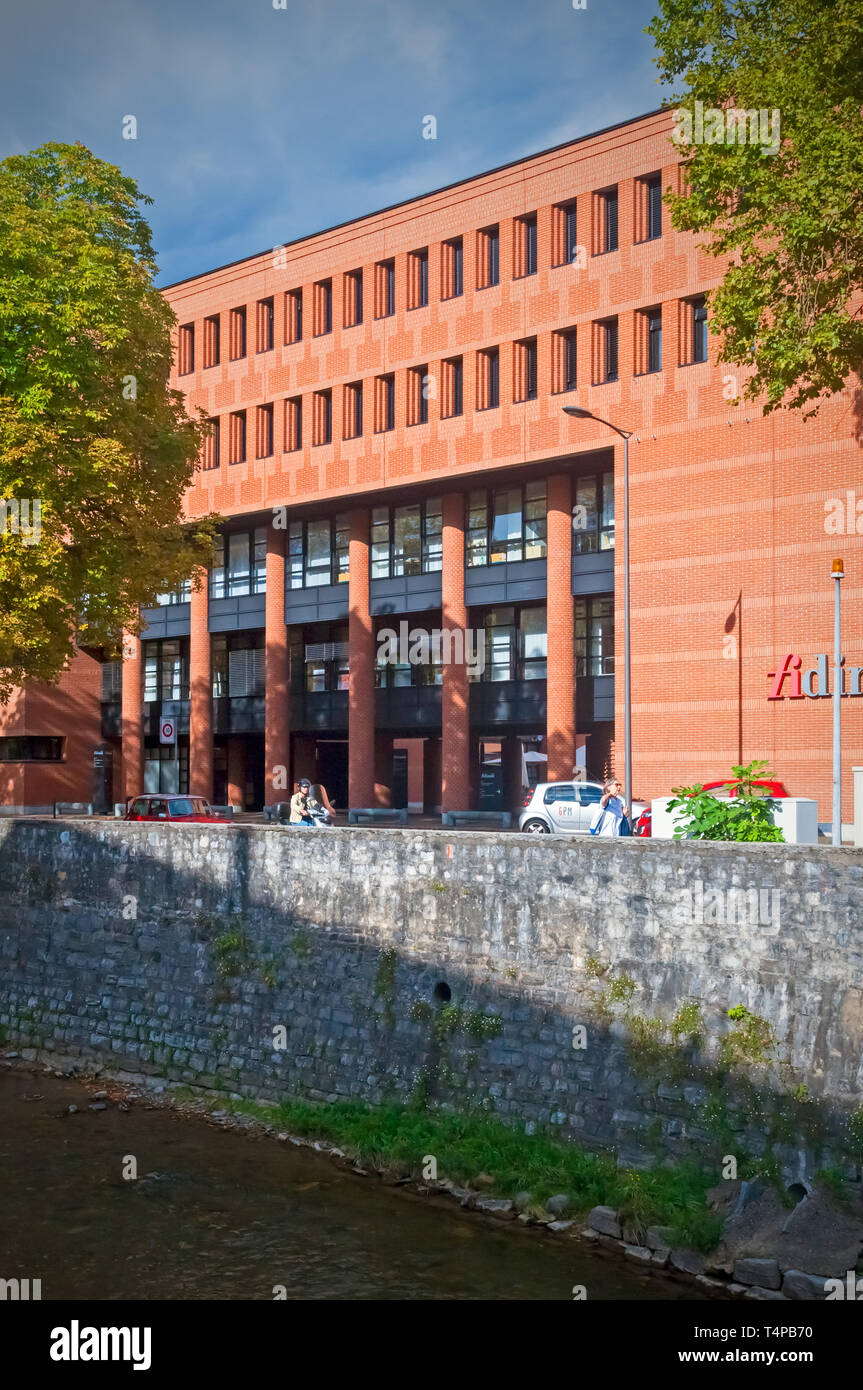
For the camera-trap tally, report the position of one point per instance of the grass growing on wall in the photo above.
(400, 1138)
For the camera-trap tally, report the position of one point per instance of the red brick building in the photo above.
(390, 447)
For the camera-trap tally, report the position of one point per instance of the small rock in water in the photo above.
(71, 1110)
(98, 1105)
(100, 1095)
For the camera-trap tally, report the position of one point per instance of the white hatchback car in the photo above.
(565, 808)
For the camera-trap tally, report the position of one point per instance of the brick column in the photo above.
(361, 681)
(200, 693)
(560, 686)
(131, 717)
(237, 773)
(277, 725)
(455, 721)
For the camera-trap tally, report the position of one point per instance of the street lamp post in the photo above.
(838, 575)
(625, 435)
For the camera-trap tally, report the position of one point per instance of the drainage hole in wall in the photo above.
(442, 992)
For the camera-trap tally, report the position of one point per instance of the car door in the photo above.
(562, 808)
(589, 797)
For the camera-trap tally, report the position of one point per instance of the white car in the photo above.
(565, 808)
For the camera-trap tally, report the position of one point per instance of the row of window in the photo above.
(514, 638)
(28, 748)
(501, 524)
(565, 249)
(448, 382)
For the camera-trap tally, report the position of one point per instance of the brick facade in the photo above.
(730, 555)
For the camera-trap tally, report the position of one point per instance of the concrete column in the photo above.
(455, 721)
(200, 693)
(277, 728)
(131, 717)
(560, 685)
(361, 686)
(857, 773)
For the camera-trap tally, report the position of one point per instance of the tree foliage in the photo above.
(790, 221)
(89, 428)
(747, 815)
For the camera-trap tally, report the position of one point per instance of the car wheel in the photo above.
(536, 827)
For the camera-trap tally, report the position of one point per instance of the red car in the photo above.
(759, 786)
(188, 809)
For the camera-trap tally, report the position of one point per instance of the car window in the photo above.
(159, 809)
(182, 806)
(561, 791)
(590, 795)
(139, 807)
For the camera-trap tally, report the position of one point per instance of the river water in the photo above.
(217, 1214)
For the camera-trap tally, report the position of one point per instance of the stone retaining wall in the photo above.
(517, 973)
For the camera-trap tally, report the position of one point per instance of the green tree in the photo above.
(95, 450)
(791, 221)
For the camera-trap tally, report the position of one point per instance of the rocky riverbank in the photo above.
(773, 1245)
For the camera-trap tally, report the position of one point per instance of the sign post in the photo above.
(838, 575)
(168, 731)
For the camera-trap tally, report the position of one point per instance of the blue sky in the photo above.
(256, 125)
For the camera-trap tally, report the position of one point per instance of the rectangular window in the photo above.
(385, 289)
(293, 424)
(318, 552)
(608, 220)
(181, 594)
(489, 258)
(238, 661)
(533, 644)
(380, 542)
(525, 370)
(653, 319)
(453, 401)
(25, 748)
(418, 279)
(237, 441)
(293, 316)
(212, 340)
(593, 513)
(514, 527)
(594, 636)
(323, 308)
(323, 417)
(211, 455)
(488, 379)
(385, 404)
(407, 541)
(186, 355)
(566, 220)
(565, 360)
(264, 432)
(353, 413)
(452, 277)
(653, 192)
(166, 670)
(353, 298)
(477, 527)
(237, 324)
(525, 245)
(112, 682)
(265, 320)
(698, 311)
(432, 535)
(605, 368)
(418, 389)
